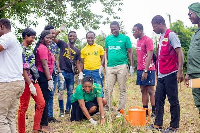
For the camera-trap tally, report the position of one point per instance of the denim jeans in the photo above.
(95, 75)
(56, 80)
(69, 81)
(167, 86)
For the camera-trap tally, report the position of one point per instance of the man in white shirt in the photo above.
(11, 79)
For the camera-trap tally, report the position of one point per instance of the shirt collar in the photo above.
(91, 45)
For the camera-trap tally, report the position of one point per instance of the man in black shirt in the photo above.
(69, 55)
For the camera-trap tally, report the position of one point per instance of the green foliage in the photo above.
(64, 37)
(184, 34)
(74, 13)
(100, 39)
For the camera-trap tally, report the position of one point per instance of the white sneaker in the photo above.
(62, 115)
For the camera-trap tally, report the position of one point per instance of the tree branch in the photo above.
(12, 3)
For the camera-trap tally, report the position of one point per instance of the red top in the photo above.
(44, 53)
(143, 45)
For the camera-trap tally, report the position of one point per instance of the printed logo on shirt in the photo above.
(93, 53)
(66, 53)
(164, 40)
(138, 48)
(114, 47)
(119, 41)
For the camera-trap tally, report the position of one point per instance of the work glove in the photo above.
(62, 27)
(93, 121)
(61, 77)
(131, 71)
(33, 89)
(80, 76)
(100, 71)
(50, 85)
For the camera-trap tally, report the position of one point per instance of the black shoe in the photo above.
(52, 120)
(67, 112)
(61, 113)
(170, 130)
(151, 127)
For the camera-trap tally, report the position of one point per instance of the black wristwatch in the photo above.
(145, 70)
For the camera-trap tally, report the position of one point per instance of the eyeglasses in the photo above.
(133, 31)
(190, 14)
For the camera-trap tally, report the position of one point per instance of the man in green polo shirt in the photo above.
(118, 50)
(193, 69)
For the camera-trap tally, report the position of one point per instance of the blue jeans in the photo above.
(69, 81)
(95, 75)
(56, 80)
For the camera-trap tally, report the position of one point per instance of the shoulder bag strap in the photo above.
(69, 52)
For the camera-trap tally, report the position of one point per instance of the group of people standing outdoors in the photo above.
(26, 73)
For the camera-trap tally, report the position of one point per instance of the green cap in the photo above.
(195, 7)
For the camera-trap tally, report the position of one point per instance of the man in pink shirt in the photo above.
(145, 66)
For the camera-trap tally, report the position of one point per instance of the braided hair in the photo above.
(42, 36)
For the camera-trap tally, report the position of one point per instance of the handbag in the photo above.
(74, 67)
(34, 72)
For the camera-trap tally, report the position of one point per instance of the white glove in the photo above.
(131, 71)
(33, 89)
(80, 76)
(62, 27)
(61, 77)
(50, 85)
(100, 71)
(93, 121)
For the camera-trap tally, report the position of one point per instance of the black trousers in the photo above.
(45, 91)
(167, 86)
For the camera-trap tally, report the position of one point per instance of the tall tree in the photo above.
(184, 33)
(74, 13)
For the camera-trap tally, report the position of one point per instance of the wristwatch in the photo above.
(102, 117)
(145, 70)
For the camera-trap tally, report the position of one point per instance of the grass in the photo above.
(189, 119)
